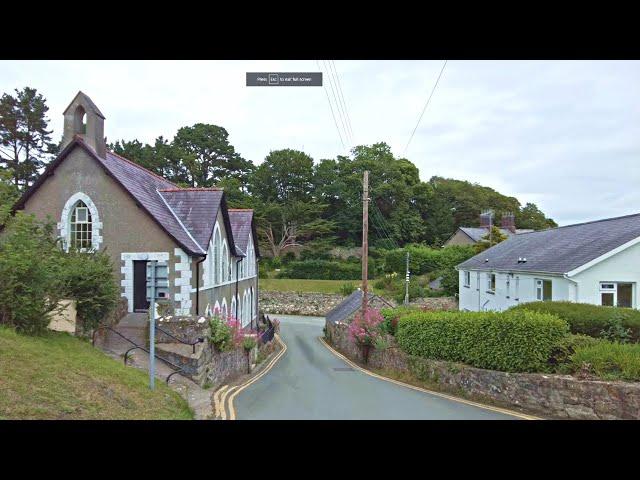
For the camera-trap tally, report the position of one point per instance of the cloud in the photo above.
(563, 134)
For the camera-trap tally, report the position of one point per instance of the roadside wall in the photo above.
(293, 303)
(551, 396)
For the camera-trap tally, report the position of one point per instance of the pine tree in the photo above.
(25, 142)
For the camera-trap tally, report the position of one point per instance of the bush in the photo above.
(323, 270)
(220, 333)
(520, 341)
(608, 360)
(87, 278)
(391, 316)
(567, 346)
(592, 320)
(415, 291)
(347, 289)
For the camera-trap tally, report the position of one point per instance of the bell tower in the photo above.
(82, 118)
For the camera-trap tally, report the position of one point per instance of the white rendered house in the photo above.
(595, 262)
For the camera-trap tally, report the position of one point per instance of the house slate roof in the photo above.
(188, 215)
(476, 233)
(557, 250)
(242, 226)
(349, 306)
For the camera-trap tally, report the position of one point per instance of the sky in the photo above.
(562, 134)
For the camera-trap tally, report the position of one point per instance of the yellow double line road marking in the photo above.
(224, 397)
(424, 390)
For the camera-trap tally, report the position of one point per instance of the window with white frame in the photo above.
(544, 290)
(616, 294)
(217, 253)
(80, 227)
(467, 279)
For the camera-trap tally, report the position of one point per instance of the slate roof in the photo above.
(188, 215)
(197, 209)
(557, 250)
(240, 220)
(476, 233)
(349, 306)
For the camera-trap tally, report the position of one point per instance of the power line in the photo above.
(425, 107)
(331, 107)
(344, 103)
(335, 99)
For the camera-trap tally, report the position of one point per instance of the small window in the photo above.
(544, 290)
(491, 282)
(467, 279)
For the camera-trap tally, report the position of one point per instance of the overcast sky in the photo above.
(562, 134)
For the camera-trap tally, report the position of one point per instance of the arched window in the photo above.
(80, 121)
(217, 248)
(234, 308)
(225, 312)
(225, 263)
(81, 230)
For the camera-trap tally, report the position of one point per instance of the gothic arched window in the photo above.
(80, 237)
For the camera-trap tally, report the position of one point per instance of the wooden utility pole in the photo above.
(365, 241)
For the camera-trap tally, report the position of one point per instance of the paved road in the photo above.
(305, 384)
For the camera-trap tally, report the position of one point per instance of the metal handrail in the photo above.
(175, 367)
(135, 346)
(192, 344)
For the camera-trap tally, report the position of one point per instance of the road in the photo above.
(310, 382)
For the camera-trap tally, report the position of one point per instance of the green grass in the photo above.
(303, 285)
(58, 376)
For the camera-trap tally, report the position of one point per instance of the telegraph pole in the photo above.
(365, 241)
(406, 283)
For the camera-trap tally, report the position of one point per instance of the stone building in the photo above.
(207, 253)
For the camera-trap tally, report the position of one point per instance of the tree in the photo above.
(8, 194)
(25, 142)
(284, 176)
(530, 216)
(209, 157)
(490, 239)
(283, 226)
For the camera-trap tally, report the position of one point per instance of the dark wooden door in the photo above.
(140, 285)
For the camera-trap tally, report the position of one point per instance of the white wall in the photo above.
(622, 267)
(522, 289)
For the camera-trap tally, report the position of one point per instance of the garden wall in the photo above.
(293, 303)
(550, 396)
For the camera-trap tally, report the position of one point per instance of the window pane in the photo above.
(625, 295)
(607, 299)
(546, 290)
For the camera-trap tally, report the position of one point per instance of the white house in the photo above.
(595, 262)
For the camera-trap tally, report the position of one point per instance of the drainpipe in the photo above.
(198, 284)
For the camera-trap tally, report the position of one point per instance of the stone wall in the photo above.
(436, 303)
(292, 303)
(187, 329)
(550, 396)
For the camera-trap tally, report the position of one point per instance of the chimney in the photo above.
(486, 218)
(509, 222)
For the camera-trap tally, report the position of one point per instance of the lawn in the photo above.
(58, 376)
(304, 285)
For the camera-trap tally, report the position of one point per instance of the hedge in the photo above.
(589, 319)
(513, 341)
(608, 360)
(324, 270)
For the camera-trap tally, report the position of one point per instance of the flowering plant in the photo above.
(365, 329)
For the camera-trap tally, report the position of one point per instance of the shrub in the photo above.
(520, 341)
(220, 333)
(415, 291)
(592, 320)
(322, 270)
(567, 346)
(347, 289)
(391, 316)
(365, 330)
(87, 278)
(249, 343)
(608, 360)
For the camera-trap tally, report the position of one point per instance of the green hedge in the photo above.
(589, 319)
(324, 270)
(608, 360)
(514, 341)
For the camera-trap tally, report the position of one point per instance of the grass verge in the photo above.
(58, 376)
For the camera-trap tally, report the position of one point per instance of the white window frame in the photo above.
(539, 285)
(467, 278)
(602, 288)
(491, 282)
